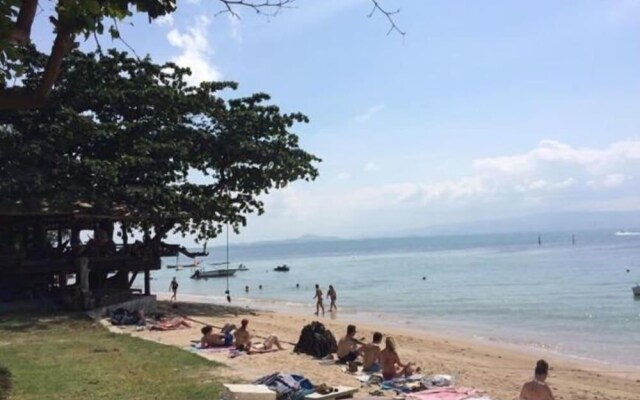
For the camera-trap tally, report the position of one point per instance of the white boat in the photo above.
(214, 273)
(627, 233)
(636, 290)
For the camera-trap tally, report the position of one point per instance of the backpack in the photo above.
(317, 341)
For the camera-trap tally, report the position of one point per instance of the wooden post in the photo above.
(147, 281)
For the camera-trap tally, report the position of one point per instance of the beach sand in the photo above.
(497, 370)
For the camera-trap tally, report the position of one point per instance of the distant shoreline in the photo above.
(385, 320)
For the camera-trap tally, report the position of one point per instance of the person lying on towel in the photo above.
(211, 339)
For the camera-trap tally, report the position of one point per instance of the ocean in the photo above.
(571, 299)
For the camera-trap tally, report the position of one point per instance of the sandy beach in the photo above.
(496, 370)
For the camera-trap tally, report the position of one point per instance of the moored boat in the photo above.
(282, 268)
(214, 273)
(636, 290)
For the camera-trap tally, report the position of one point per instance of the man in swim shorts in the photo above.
(348, 346)
(371, 354)
(318, 298)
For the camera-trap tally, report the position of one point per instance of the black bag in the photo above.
(316, 340)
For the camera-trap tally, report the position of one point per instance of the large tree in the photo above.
(127, 136)
(88, 17)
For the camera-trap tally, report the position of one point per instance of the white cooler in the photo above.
(247, 392)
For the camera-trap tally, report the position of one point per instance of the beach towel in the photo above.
(447, 393)
(287, 386)
(197, 347)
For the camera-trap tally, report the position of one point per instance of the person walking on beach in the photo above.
(537, 389)
(331, 294)
(173, 286)
(318, 298)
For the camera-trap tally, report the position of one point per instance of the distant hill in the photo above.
(300, 239)
(550, 222)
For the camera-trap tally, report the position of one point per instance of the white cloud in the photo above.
(552, 177)
(371, 167)
(195, 51)
(165, 20)
(369, 113)
(235, 28)
(613, 180)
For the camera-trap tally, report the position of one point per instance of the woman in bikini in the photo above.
(392, 367)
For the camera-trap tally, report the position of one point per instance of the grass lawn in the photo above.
(71, 357)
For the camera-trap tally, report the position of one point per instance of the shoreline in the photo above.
(436, 332)
(496, 371)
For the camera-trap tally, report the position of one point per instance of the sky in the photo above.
(484, 109)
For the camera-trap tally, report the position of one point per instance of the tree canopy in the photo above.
(89, 17)
(128, 136)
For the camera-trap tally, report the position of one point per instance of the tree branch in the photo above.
(25, 99)
(257, 6)
(21, 33)
(388, 14)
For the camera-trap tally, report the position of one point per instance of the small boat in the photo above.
(172, 266)
(282, 268)
(242, 267)
(627, 233)
(214, 273)
(636, 290)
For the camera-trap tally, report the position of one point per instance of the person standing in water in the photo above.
(331, 294)
(318, 298)
(173, 286)
(539, 240)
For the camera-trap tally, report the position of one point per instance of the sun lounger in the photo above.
(343, 392)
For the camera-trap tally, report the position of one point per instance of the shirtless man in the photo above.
(242, 336)
(348, 346)
(537, 389)
(318, 298)
(371, 354)
(210, 339)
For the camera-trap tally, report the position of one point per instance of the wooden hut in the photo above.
(70, 255)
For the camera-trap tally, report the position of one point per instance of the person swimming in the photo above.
(537, 389)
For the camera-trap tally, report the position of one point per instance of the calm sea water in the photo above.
(574, 299)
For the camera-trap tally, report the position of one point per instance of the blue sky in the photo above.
(485, 109)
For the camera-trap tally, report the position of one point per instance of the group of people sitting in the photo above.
(374, 358)
(240, 338)
(387, 361)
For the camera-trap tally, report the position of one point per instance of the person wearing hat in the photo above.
(348, 349)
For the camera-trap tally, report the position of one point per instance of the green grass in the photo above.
(71, 357)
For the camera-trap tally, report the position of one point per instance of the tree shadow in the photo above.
(22, 322)
(5, 383)
(202, 309)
